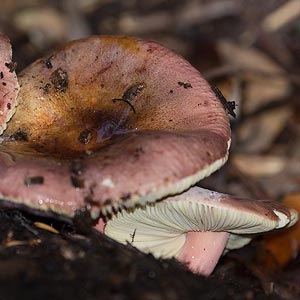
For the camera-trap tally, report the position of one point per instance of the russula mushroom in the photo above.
(70, 146)
(197, 226)
(111, 123)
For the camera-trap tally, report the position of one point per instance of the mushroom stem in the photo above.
(100, 225)
(202, 250)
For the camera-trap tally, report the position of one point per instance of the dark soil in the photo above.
(69, 265)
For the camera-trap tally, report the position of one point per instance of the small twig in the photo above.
(132, 236)
(130, 93)
(228, 105)
(126, 101)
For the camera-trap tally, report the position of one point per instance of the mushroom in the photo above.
(113, 123)
(197, 226)
(71, 147)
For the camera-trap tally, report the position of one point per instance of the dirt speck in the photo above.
(46, 88)
(76, 177)
(186, 85)
(11, 66)
(138, 151)
(77, 181)
(35, 180)
(48, 63)
(59, 79)
(107, 201)
(19, 135)
(85, 136)
(125, 196)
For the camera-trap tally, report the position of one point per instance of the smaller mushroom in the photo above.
(197, 226)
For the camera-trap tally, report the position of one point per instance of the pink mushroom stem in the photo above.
(202, 250)
(100, 225)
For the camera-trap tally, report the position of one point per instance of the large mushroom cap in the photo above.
(110, 120)
(193, 226)
(9, 86)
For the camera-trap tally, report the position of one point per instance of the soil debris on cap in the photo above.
(77, 181)
(19, 136)
(48, 63)
(133, 91)
(125, 196)
(11, 66)
(59, 79)
(76, 178)
(138, 151)
(85, 136)
(76, 167)
(34, 180)
(46, 88)
(186, 85)
(130, 93)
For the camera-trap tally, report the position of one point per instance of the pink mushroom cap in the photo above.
(110, 122)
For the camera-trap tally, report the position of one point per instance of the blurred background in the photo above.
(250, 49)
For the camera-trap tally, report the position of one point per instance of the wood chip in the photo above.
(264, 79)
(281, 16)
(46, 227)
(259, 165)
(258, 133)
